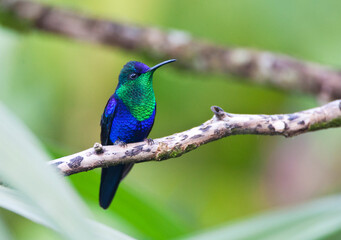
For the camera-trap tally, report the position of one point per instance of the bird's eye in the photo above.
(132, 76)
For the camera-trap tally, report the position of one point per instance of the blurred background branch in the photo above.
(266, 68)
(221, 125)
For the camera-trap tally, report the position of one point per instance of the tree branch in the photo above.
(221, 125)
(265, 68)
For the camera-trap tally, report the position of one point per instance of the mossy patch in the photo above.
(330, 124)
(174, 153)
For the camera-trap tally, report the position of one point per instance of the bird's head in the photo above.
(136, 76)
(135, 88)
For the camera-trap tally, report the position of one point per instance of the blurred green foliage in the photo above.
(59, 88)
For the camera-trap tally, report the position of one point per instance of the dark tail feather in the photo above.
(110, 180)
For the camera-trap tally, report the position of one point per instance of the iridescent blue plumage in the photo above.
(128, 117)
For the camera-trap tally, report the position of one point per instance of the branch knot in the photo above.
(98, 148)
(218, 112)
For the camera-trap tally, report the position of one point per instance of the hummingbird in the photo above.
(128, 117)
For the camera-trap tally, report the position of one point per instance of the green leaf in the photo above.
(4, 233)
(147, 215)
(43, 195)
(316, 220)
(21, 205)
(16, 202)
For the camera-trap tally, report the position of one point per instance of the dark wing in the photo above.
(111, 176)
(106, 120)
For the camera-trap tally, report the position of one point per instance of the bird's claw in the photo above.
(120, 143)
(149, 141)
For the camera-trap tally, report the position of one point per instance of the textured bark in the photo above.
(221, 125)
(279, 71)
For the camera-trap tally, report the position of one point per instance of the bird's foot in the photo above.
(120, 143)
(149, 141)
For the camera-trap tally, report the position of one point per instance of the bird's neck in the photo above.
(140, 100)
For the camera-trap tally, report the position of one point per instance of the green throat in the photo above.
(138, 96)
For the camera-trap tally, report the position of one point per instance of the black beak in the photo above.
(152, 69)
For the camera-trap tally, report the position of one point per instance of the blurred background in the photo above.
(59, 87)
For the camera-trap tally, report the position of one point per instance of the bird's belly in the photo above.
(127, 129)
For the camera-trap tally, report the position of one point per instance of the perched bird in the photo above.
(128, 117)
